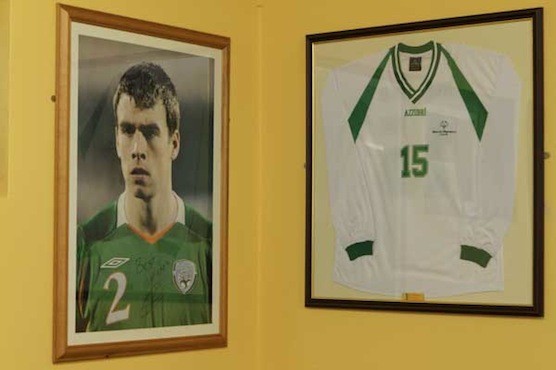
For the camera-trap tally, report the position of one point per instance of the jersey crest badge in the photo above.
(184, 275)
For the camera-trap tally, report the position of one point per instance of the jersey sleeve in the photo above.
(88, 266)
(350, 206)
(90, 231)
(487, 219)
(82, 283)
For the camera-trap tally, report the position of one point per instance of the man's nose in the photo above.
(138, 147)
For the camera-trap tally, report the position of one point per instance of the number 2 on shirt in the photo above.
(117, 315)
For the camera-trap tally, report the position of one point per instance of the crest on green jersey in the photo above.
(184, 275)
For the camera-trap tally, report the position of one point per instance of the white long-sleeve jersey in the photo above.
(421, 148)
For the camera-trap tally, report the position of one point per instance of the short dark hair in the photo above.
(146, 83)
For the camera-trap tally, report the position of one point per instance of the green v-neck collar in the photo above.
(414, 94)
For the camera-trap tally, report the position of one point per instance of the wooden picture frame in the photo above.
(165, 276)
(424, 163)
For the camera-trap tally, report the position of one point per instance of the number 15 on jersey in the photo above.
(414, 159)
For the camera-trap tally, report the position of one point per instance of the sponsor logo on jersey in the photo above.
(114, 263)
(415, 112)
(444, 129)
(184, 275)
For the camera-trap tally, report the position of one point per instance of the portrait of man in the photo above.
(141, 187)
(144, 260)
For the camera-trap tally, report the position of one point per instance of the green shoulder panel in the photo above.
(360, 110)
(475, 108)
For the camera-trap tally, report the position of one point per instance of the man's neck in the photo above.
(153, 215)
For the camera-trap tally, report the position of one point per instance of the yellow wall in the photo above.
(295, 337)
(4, 83)
(26, 215)
(269, 327)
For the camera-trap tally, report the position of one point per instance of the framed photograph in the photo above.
(425, 166)
(141, 187)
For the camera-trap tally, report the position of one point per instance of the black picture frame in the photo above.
(535, 167)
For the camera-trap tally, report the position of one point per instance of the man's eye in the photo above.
(149, 132)
(127, 129)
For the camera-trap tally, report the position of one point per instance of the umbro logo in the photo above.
(114, 263)
(414, 112)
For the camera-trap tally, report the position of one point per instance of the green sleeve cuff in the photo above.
(473, 254)
(357, 250)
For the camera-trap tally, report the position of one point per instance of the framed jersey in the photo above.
(425, 166)
(141, 187)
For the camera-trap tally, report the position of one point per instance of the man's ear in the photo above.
(175, 141)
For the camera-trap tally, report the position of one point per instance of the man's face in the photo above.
(144, 147)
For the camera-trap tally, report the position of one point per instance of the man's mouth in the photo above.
(140, 171)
